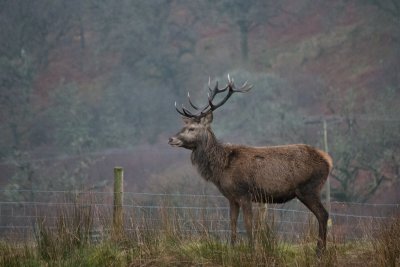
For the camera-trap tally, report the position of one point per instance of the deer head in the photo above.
(197, 124)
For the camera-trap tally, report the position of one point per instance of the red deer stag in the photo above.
(243, 174)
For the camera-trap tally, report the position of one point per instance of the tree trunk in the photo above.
(244, 39)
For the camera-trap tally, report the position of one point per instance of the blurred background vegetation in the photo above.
(87, 85)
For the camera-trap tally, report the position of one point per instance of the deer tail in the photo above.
(327, 158)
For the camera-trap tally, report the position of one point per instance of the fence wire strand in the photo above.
(191, 213)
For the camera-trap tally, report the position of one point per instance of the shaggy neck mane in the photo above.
(210, 157)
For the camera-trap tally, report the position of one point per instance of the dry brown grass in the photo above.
(70, 244)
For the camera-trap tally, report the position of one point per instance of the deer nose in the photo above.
(170, 140)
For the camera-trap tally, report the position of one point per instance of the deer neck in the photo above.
(210, 157)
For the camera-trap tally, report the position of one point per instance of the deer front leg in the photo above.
(248, 219)
(234, 214)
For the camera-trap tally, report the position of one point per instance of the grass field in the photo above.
(71, 243)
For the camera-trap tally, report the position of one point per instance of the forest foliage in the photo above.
(81, 77)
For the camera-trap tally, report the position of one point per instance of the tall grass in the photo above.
(70, 242)
(72, 231)
(387, 244)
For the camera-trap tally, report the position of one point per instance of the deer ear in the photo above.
(207, 119)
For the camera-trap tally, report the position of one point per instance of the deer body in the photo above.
(268, 174)
(244, 174)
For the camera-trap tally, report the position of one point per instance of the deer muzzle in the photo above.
(173, 141)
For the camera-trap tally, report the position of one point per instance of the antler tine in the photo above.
(195, 106)
(232, 89)
(243, 89)
(211, 95)
(216, 90)
(185, 112)
(212, 91)
(215, 106)
(180, 112)
(191, 103)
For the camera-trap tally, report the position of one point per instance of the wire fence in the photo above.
(22, 210)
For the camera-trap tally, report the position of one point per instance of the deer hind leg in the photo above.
(248, 218)
(234, 214)
(313, 202)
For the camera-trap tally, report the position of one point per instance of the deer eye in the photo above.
(191, 129)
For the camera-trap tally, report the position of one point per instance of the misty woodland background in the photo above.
(89, 85)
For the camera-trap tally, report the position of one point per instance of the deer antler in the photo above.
(211, 95)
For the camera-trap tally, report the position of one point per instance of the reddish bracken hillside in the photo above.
(337, 45)
(323, 47)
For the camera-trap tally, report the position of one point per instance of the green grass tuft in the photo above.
(70, 244)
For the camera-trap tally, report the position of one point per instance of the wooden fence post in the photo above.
(118, 217)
